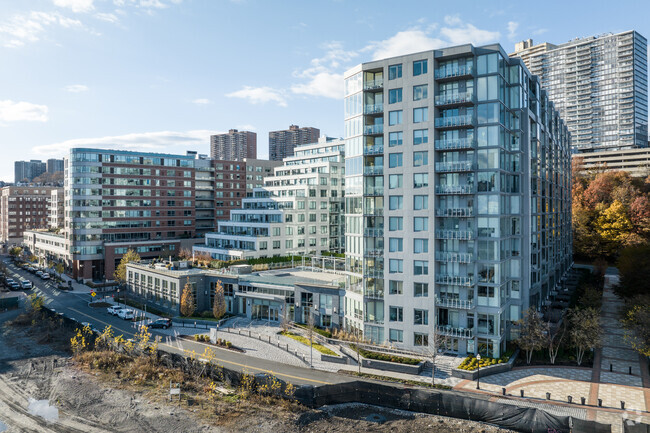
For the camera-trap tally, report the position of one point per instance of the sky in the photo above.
(162, 75)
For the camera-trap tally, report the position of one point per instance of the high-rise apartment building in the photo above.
(457, 198)
(54, 165)
(119, 200)
(599, 85)
(299, 210)
(28, 170)
(23, 208)
(282, 143)
(233, 146)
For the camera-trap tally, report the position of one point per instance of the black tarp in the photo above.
(634, 427)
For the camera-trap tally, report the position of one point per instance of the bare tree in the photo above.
(284, 319)
(437, 344)
(310, 333)
(554, 337)
(532, 333)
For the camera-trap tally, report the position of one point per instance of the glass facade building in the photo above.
(599, 85)
(457, 198)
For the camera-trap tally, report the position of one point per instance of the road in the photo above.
(75, 305)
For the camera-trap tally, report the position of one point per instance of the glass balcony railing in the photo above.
(373, 109)
(373, 84)
(458, 212)
(455, 166)
(375, 252)
(459, 304)
(373, 233)
(449, 98)
(454, 189)
(453, 121)
(455, 234)
(455, 332)
(373, 170)
(373, 129)
(454, 257)
(459, 143)
(373, 150)
(376, 190)
(458, 71)
(455, 280)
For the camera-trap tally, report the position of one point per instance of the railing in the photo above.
(455, 332)
(454, 98)
(455, 166)
(460, 304)
(375, 190)
(452, 121)
(455, 234)
(373, 84)
(376, 252)
(373, 129)
(375, 233)
(454, 280)
(461, 212)
(459, 143)
(375, 211)
(454, 189)
(457, 71)
(373, 150)
(373, 109)
(372, 170)
(454, 257)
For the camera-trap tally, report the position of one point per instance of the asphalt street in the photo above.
(75, 305)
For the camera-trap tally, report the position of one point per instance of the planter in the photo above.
(486, 371)
(191, 338)
(335, 359)
(393, 366)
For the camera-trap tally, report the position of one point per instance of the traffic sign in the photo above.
(93, 294)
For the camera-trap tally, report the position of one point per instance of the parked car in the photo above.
(62, 286)
(45, 276)
(113, 309)
(161, 323)
(126, 314)
(26, 284)
(13, 285)
(38, 273)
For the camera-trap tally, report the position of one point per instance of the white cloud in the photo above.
(404, 42)
(324, 74)
(26, 28)
(260, 95)
(201, 101)
(161, 141)
(76, 5)
(108, 17)
(512, 29)
(76, 88)
(467, 33)
(246, 127)
(11, 111)
(325, 84)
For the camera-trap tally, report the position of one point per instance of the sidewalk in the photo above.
(76, 287)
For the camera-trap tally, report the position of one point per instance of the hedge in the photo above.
(385, 356)
(471, 363)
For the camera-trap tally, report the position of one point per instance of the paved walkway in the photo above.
(611, 387)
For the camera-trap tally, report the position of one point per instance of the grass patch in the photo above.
(324, 332)
(140, 306)
(394, 379)
(305, 341)
(209, 318)
(385, 356)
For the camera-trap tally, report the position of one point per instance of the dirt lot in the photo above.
(39, 381)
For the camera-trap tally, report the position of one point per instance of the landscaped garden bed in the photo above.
(389, 361)
(319, 347)
(468, 368)
(204, 338)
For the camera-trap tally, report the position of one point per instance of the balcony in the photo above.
(454, 280)
(459, 304)
(454, 189)
(374, 191)
(373, 170)
(375, 252)
(373, 109)
(462, 235)
(374, 212)
(374, 84)
(454, 98)
(459, 143)
(455, 332)
(460, 212)
(454, 72)
(454, 121)
(373, 233)
(373, 129)
(454, 166)
(454, 257)
(373, 150)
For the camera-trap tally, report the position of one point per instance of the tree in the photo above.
(532, 333)
(15, 252)
(203, 259)
(437, 344)
(310, 334)
(637, 323)
(554, 337)
(185, 254)
(59, 269)
(187, 300)
(120, 273)
(584, 330)
(219, 305)
(634, 269)
(284, 318)
(613, 224)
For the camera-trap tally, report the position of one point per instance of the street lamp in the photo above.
(478, 377)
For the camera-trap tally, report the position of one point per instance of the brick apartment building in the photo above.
(23, 208)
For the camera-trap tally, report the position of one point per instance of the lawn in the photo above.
(305, 341)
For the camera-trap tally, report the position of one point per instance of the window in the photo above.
(396, 335)
(395, 287)
(419, 67)
(395, 223)
(394, 160)
(396, 266)
(396, 314)
(395, 139)
(421, 267)
(276, 245)
(420, 158)
(420, 202)
(420, 92)
(394, 71)
(420, 290)
(395, 202)
(420, 180)
(420, 136)
(420, 224)
(420, 114)
(395, 181)
(420, 339)
(395, 117)
(420, 246)
(395, 245)
(420, 317)
(394, 95)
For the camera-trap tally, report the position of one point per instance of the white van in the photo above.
(26, 284)
(125, 314)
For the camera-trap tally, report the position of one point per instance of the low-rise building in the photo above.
(634, 161)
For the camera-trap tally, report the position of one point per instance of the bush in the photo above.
(228, 344)
(385, 356)
(471, 363)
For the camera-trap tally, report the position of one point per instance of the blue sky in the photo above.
(161, 75)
